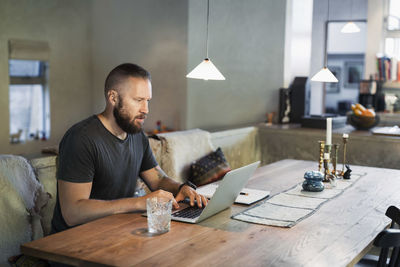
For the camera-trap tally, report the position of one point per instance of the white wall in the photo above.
(297, 39)
(152, 34)
(374, 36)
(346, 43)
(65, 26)
(246, 43)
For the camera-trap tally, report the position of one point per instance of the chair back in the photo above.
(389, 240)
(393, 213)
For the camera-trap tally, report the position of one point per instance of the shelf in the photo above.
(391, 85)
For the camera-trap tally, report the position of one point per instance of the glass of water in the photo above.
(158, 215)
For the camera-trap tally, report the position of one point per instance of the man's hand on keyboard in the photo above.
(187, 191)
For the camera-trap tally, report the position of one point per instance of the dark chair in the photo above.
(393, 213)
(387, 240)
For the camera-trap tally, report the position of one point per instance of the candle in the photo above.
(328, 131)
(345, 135)
(326, 155)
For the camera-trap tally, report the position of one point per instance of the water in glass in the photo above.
(158, 215)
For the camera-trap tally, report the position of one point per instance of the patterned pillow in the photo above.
(209, 168)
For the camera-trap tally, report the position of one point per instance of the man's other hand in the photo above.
(188, 192)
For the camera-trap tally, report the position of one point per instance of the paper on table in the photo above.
(247, 196)
(394, 131)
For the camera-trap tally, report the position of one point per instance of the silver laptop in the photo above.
(224, 196)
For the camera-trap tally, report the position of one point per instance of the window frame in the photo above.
(41, 80)
(386, 32)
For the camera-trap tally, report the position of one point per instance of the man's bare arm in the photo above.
(156, 178)
(77, 208)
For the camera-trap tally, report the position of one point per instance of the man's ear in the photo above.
(112, 97)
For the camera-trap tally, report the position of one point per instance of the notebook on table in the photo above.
(246, 196)
(224, 196)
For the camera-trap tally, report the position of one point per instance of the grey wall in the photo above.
(246, 43)
(65, 26)
(89, 38)
(152, 34)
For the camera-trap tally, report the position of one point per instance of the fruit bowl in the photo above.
(361, 122)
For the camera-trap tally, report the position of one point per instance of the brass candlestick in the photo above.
(345, 139)
(321, 155)
(329, 177)
(328, 149)
(335, 158)
(327, 172)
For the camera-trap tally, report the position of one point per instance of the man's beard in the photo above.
(124, 122)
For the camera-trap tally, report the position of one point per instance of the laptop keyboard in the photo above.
(189, 212)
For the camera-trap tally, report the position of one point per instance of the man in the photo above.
(102, 156)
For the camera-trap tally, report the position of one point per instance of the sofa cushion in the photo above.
(209, 168)
(240, 146)
(155, 143)
(180, 149)
(22, 198)
(15, 226)
(45, 169)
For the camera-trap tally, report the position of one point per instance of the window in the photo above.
(28, 92)
(392, 47)
(393, 19)
(392, 32)
(389, 72)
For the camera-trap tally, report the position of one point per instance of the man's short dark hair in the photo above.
(123, 71)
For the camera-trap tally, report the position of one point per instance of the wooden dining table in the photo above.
(339, 233)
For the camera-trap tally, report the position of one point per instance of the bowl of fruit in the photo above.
(362, 118)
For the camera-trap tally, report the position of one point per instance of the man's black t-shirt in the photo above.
(90, 153)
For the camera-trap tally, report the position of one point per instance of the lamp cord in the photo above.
(326, 40)
(208, 16)
(328, 10)
(351, 11)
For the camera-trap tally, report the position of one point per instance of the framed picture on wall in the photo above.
(353, 71)
(334, 87)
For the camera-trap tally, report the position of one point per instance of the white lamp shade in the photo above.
(324, 75)
(206, 70)
(350, 27)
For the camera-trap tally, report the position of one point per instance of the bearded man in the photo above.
(101, 157)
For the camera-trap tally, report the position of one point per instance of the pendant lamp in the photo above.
(325, 75)
(206, 70)
(350, 27)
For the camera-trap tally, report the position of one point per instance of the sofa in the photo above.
(28, 184)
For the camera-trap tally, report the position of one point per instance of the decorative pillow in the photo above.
(180, 149)
(209, 168)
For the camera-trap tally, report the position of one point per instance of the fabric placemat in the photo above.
(288, 208)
